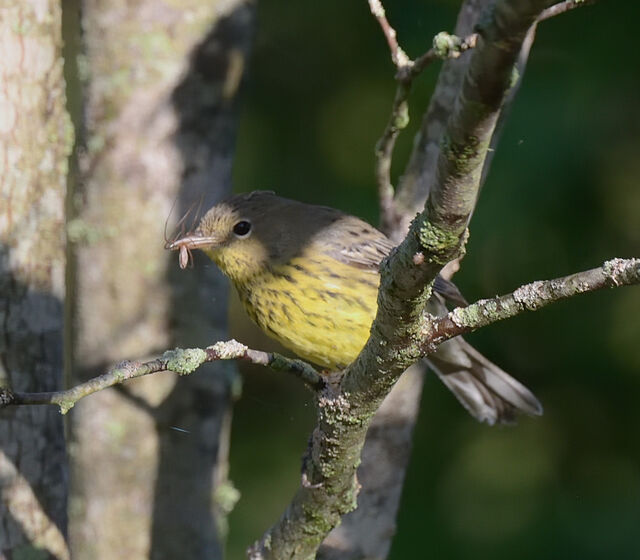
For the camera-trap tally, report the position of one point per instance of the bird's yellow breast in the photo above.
(319, 307)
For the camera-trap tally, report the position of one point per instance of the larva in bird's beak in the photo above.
(183, 257)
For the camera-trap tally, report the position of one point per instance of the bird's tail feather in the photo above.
(489, 394)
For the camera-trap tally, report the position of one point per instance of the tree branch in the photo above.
(329, 488)
(389, 438)
(445, 46)
(182, 361)
(530, 297)
(398, 56)
(436, 236)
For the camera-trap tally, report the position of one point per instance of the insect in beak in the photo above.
(183, 257)
(184, 245)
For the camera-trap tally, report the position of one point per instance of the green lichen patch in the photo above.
(440, 244)
(445, 44)
(184, 361)
(66, 405)
(226, 496)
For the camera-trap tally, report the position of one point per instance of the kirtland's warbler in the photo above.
(308, 276)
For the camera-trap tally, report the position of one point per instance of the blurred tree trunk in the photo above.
(35, 141)
(149, 460)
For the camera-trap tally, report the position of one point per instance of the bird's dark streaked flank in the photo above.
(308, 276)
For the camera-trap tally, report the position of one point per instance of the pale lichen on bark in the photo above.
(186, 361)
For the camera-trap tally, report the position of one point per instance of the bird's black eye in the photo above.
(242, 229)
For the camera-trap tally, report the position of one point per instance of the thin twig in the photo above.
(444, 46)
(182, 361)
(563, 7)
(384, 152)
(398, 56)
(530, 297)
(398, 120)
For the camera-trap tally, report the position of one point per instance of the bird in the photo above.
(308, 276)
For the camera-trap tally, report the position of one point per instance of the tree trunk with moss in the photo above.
(35, 140)
(149, 460)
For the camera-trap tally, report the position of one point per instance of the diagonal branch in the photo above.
(343, 422)
(398, 56)
(438, 234)
(419, 174)
(562, 7)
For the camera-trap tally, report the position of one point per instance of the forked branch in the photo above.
(445, 46)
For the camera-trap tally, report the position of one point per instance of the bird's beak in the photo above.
(188, 242)
(192, 241)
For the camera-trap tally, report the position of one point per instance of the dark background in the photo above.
(562, 196)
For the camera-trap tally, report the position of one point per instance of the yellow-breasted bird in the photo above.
(308, 276)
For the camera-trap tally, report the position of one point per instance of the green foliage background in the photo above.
(562, 196)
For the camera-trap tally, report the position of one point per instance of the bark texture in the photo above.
(35, 140)
(150, 460)
(368, 531)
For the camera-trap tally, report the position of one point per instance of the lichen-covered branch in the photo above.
(389, 438)
(419, 175)
(182, 361)
(438, 234)
(530, 297)
(329, 487)
(436, 237)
